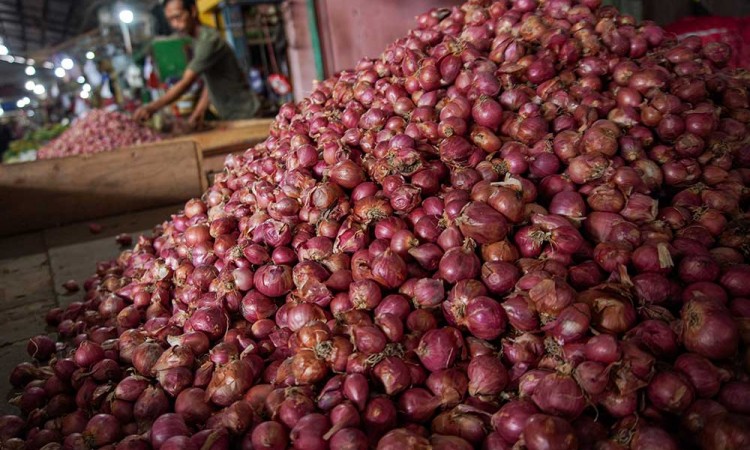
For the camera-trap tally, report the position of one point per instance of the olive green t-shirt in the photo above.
(227, 86)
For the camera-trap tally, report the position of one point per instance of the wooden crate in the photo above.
(225, 138)
(43, 194)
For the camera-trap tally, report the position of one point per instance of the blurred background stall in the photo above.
(60, 59)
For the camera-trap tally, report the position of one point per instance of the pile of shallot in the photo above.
(98, 131)
(522, 227)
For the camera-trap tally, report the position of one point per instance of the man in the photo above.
(226, 86)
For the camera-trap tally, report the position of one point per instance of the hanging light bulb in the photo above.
(127, 16)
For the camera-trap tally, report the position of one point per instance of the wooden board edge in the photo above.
(202, 178)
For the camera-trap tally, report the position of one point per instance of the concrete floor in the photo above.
(33, 268)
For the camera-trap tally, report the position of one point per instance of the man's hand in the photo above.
(196, 119)
(143, 113)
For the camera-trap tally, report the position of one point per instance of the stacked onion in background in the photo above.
(523, 226)
(98, 131)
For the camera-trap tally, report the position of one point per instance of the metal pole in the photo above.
(312, 18)
(126, 36)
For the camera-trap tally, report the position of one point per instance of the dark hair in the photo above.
(186, 4)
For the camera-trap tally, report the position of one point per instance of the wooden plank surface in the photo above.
(25, 275)
(43, 194)
(73, 251)
(223, 139)
(228, 137)
(213, 164)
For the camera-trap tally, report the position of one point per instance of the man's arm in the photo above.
(175, 92)
(196, 118)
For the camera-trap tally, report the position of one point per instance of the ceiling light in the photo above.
(84, 95)
(60, 72)
(86, 87)
(67, 64)
(39, 89)
(81, 79)
(30, 71)
(126, 16)
(30, 85)
(90, 55)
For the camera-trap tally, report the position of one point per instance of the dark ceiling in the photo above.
(28, 25)
(29, 28)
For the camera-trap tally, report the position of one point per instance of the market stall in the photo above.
(523, 224)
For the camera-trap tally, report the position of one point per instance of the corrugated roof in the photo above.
(28, 25)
